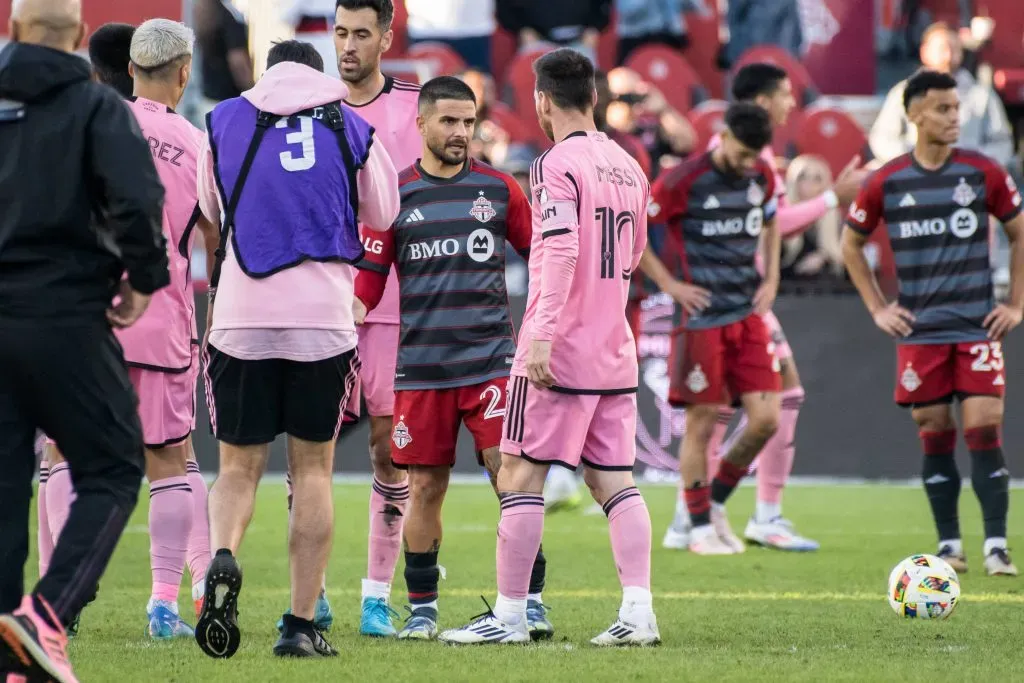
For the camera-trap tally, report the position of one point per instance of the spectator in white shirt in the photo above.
(465, 25)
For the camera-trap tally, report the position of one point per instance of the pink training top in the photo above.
(311, 296)
(589, 231)
(162, 338)
(392, 113)
(791, 219)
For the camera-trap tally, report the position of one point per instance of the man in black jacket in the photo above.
(81, 204)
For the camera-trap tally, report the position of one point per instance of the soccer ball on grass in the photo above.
(924, 587)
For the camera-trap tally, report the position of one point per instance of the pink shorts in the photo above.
(553, 428)
(378, 353)
(778, 337)
(167, 403)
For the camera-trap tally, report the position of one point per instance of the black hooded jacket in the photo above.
(80, 198)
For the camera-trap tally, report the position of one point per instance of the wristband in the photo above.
(831, 200)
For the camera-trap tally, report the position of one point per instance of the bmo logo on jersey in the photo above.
(963, 223)
(752, 225)
(479, 246)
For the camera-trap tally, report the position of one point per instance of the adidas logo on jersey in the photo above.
(414, 217)
(712, 203)
(908, 200)
(998, 381)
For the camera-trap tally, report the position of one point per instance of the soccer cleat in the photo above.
(323, 615)
(164, 622)
(421, 624)
(72, 629)
(677, 536)
(709, 543)
(38, 648)
(998, 563)
(561, 491)
(304, 644)
(778, 534)
(486, 628)
(721, 524)
(198, 604)
(643, 633)
(958, 561)
(217, 629)
(537, 621)
(376, 619)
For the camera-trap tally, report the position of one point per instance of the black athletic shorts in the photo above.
(253, 401)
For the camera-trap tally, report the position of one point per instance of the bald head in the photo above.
(51, 23)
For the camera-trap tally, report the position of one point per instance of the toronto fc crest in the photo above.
(910, 380)
(482, 209)
(401, 435)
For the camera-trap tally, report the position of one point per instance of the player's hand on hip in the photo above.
(358, 310)
(850, 180)
(538, 365)
(129, 308)
(894, 320)
(764, 298)
(1001, 320)
(692, 298)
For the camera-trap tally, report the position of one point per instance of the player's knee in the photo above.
(937, 418)
(520, 475)
(428, 485)
(604, 484)
(763, 426)
(700, 421)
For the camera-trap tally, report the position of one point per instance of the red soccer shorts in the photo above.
(426, 422)
(719, 365)
(935, 373)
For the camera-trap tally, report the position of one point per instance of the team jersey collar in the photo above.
(437, 180)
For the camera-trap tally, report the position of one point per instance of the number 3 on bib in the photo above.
(493, 409)
(988, 357)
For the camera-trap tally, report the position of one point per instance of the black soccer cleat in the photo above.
(304, 643)
(217, 629)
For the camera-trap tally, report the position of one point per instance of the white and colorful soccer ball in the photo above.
(924, 587)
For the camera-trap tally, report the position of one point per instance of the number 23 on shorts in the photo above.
(988, 356)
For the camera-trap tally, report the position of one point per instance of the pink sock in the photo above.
(629, 525)
(199, 537)
(776, 460)
(519, 535)
(725, 415)
(43, 537)
(60, 493)
(387, 517)
(170, 522)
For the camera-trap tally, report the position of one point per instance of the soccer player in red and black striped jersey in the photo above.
(936, 202)
(456, 342)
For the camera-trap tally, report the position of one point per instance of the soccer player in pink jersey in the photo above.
(362, 34)
(572, 393)
(769, 87)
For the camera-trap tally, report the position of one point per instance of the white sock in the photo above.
(766, 512)
(376, 589)
(198, 590)
(536, 597)
(718, 508)
(699, 533)
(635, 599)
(957, 545)
(993, 543)
(510, 610)
(432, 605)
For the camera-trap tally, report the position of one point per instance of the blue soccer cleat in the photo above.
(421, 624)
(537, 622)
(323, 615)
(376, 619)
(164, 622)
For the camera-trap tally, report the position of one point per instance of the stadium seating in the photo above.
(669, 71)
(519, 92)
(707, 119)
(1010, 85)
(804, 88)
(445, 59)
(831, 134)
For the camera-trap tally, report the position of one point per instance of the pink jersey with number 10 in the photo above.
(589, 231)
(162, 338)
(393, 117)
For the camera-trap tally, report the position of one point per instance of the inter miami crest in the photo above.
(482, 209)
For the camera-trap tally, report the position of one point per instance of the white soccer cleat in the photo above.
(677, 535)
(998, 563)
(778, 534)
(487, 628)
(637, 630)
(721, 525)
(561, 490)
(707, 542)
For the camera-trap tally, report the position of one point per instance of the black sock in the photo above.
(539, 573)
(726, 481)
(698, 503)
(990, 478)
(942, 482)
(294, 625)
(421, 576)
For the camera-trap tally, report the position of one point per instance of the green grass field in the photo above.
(760, 616)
